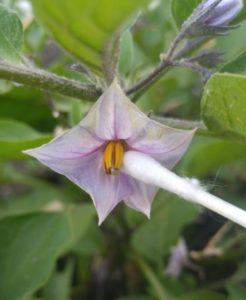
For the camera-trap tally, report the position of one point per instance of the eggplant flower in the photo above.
(91, 154)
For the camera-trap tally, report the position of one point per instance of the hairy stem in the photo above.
(163, 67)
(204, 72)
(143, 84)
(202, 130)
(48, 81)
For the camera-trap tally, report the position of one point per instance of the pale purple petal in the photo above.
(114, 116)
(72, 144)
(163, 143)
(87, 172)
(224, 12)
(141, 197)
(107, 191)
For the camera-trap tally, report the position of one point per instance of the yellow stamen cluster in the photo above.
(113, 157)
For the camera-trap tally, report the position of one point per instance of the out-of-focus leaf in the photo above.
(85, 27)
(59, 285)
(45, 200)
(29, 246)
(79, 217)
(153, 239)
(33, 242)
(236, 291)
(234, 45)
(5, 86)
(93, 241)
(237, 65)
(11, 35)
(159, 93)
(182, 9)
(126, 56)
(224, 105)
(195, 163)
(19, 100)
(16, 137)
(77, 112)
(11, 174)
(149, 41)
(203, 295)
(34, 37)
(135, 298)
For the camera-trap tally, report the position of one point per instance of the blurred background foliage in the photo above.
(50, 245)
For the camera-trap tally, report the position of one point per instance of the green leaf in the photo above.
(224, 105)
(58, 287)
(126, 53)
(135, 298)
(11, 35)
(34, 241)
(182, 9)
(22, 99)
(77, 111)
(16, 137)
(203, 295)
(234, 45)
(79, 217)
(216, 156)
(29, 246)
(170, 211)
(40, 200)
(237, 65)
(236, 291)
(85, 27)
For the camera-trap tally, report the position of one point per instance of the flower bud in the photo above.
(212, 17)
(224, 12)
(208, 58)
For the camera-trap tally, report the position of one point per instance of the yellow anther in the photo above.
(113, 157)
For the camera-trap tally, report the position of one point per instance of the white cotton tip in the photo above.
(148, 170)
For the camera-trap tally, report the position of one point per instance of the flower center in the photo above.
(113, 157)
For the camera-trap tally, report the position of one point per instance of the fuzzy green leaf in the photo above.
(29, 247)
(182, 9)
(16, 137)
(11, 35)
(224, 105)
(84, 27)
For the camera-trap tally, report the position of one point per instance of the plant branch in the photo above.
(48, 81)
(201, 128)
(143, 84)
(163, 67)
(187, 125)
(204, 72)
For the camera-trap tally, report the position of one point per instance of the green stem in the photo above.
(164, 66)
(187, 125)
(48, 81)
(201, 128)
(152, 278)
(184, 124)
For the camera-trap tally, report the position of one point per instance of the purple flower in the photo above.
(91, 153)
(224, 12)
(178, 259)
